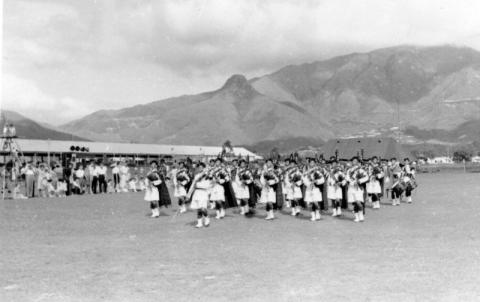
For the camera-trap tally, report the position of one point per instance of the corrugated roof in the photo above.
(29, 145)
(383, 147)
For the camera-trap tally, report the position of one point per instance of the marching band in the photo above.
(315, 186)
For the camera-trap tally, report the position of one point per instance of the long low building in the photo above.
(364, 147)
(41, 149)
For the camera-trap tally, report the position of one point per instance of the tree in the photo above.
(274, 153)
(227, 147)
(460, 155)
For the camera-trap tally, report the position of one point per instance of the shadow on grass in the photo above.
(344, 217)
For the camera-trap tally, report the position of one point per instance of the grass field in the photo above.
(104, 248)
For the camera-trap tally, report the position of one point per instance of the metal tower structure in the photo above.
(9, 145)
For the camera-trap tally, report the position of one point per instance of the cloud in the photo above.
(114, 53)
(25, 96)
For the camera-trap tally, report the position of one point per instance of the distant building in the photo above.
(476, 159)
(440, 160)
(40, 150)
(366, 147)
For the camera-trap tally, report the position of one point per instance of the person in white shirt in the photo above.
(102, 174)
(200, 198)
(94, 175)
(116, 176)
(124, 175)
(30, 180)
(80, 177)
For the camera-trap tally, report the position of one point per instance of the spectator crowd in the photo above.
(77, 178)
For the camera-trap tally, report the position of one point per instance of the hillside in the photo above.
(236, 111)
(29, 129)
(431, 88)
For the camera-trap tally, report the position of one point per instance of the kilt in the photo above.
(355, 193)
(200, 199)
(217, 193)
(268, 195)
(334, 192)
(180, 191)
(230, 199)
(374, 187)
(297, 192)
(313, 194)
(241, 190)
(164, 195)
(151, 194)
(253, 192)
(278, 196)
(289, 192)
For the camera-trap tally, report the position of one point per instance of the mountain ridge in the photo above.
(29, 129)
(394, 86)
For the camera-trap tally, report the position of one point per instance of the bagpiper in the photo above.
(335, 181)
(268, 180)
(199, 192)
(356, 177)
(374, 188)
(180, 181)
(312, 180)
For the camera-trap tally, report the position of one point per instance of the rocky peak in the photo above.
(239, 86)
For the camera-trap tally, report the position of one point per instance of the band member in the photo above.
(254, 187)
(278, 205)
(313, 195)
(154, 180)
(296, 182)
(200, 196)
(408, 179)
(161, 169)
(268, 180)
(217, 195)
(180, 181)
(397, 186)
(230, 199)
(356, 177)
(335, 182)
(374, 188)
(242, 192)
(287, 185)
(151, 195)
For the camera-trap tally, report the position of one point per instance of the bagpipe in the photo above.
(245, 176)
(339, 178)
(154, 178)
(270, 177)
(357, 176)
(316, 175)
(296, 178)
(182, 177)
(375, 173)
(220, 174)
(205, 174)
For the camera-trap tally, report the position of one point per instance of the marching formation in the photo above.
(314, 186)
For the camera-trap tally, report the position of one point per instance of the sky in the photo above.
(64, 59)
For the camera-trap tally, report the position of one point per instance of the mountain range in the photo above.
(429, 91)
(30, 129)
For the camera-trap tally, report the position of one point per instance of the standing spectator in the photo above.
(80, 178)
(30, 180)
(42, 180)
(67, 175)
(94, 174)
(102, 175)
(88, 179)
(124, 175)
(61, 188)
(116, 177)
(58, 170)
